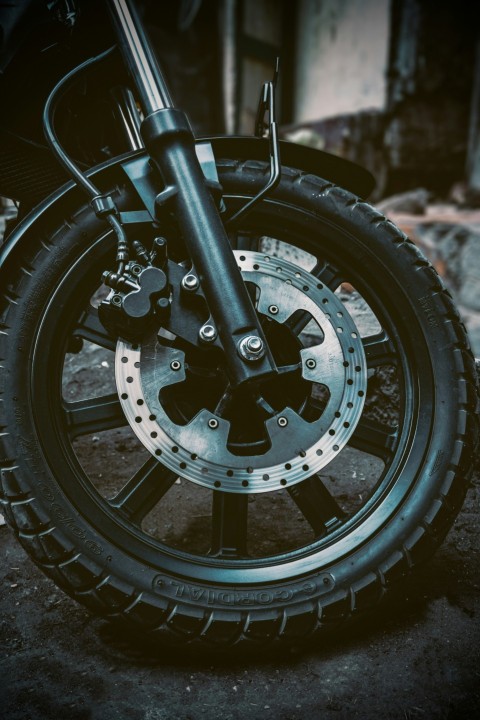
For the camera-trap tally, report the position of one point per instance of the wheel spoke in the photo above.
(94, 415)
(374, 439)
(229, 525)
(246, 241)
(90, 328)
(298, 321)
(144, 490)
(317, 505)
(379, 350)
(328, 275)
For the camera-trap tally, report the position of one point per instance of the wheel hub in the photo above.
(300, 436)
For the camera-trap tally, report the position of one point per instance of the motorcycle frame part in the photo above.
(170, 143)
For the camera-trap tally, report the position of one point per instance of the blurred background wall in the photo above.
(392, 84)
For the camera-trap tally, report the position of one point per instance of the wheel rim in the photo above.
(225, 563)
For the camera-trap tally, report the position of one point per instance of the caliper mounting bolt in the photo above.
(190, 282)
(207, 333)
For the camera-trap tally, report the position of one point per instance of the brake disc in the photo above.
(198, 449)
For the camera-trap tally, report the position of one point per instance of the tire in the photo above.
(324, 550)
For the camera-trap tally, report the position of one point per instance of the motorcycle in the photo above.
(277, 384)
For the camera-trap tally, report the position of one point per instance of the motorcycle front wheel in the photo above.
(205, 519)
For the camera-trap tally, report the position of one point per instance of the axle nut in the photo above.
(251, 348)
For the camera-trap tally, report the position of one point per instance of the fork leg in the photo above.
(170, 142)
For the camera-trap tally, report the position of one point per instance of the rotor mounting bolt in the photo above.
(273, 309)
(213, 424)
(207, 333)
(175, 365)
(251, 348)
(311, 364)
(282, 421)
(190, 282)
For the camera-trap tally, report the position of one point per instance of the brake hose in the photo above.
(103, 205)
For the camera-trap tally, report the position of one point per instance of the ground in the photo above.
(417, 658)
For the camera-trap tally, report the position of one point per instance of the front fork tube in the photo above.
(169, 141)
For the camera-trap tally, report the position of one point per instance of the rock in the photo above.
(457, 247)
(413, 202)
(469, 293)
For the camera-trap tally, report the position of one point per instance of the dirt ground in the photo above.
(417, 659)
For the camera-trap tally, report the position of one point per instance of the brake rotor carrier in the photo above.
(198, 450)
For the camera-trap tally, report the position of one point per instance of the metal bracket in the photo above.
(145, 180)
(266, 105)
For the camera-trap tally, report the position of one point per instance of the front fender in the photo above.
(342, 172)
(68, 198)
